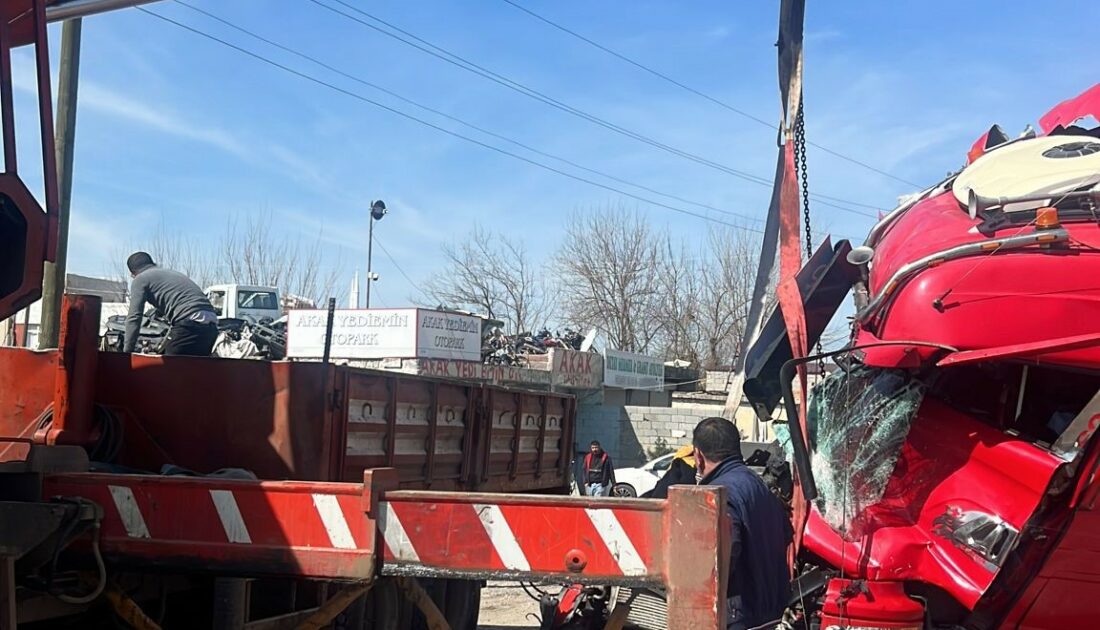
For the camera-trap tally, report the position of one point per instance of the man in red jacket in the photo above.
(599, 472)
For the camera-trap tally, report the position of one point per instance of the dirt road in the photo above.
(505, 606)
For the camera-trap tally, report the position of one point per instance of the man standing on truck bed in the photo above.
(193, 320)
(759, 581)
(599, 473)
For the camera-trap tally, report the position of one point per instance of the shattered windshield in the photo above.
(858, 421)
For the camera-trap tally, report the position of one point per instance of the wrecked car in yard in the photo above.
(950, 464)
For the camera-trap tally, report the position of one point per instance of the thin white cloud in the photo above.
(96, 97)
(105, 100)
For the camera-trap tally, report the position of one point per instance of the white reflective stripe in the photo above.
(393, 532)
(232, 521)
(618, 543)
(129, 511)
(504, 541)
(335, 524)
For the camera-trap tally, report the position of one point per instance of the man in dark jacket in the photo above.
(759, 581)
(193, 320)
(681, 471)
(599, 472)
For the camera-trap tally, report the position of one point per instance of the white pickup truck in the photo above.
(250, 303)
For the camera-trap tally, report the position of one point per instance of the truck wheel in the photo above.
(436, 588)
(383, 606)
(623, 490)
(463, 603)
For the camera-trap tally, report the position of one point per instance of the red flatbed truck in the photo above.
(319, 426)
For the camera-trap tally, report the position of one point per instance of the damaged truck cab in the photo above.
(950, 462)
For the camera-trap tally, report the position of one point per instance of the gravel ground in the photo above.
(504, 606)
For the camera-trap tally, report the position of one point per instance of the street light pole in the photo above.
(377, 211)
(370, 246)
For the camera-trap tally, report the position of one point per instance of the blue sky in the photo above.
(176, 128)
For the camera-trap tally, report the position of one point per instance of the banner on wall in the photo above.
(627, 370)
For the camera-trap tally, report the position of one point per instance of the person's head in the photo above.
(595, 448)
(715, 440)
(138, 262)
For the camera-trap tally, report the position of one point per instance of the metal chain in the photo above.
(800, 170)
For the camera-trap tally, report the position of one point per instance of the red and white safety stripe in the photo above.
(275, 527)
(324, 530)
(583, 540)
(226, 516)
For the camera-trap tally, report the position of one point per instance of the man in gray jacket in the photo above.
(193, 320)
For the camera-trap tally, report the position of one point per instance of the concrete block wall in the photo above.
(630, 433)
(717, 381)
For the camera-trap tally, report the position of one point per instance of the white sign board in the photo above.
(384, 334)
(627, 370)
(447, 336)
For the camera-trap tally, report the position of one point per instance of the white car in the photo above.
(634, 482)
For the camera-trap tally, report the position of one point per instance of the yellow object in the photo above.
(686, 453)
(128, 610)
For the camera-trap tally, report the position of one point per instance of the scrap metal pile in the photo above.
(237, 338)
(244, 339)
(498, 348)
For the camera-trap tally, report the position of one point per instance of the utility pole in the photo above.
(53, 283)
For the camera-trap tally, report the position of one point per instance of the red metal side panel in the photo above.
(206, 413)
(289, 421)
(26, 389)
(247, 527)
(344, 530)
(419, 426)
(523, 436)
(681, 543)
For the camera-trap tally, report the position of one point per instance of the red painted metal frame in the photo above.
(24, 22)
(245, 528)
(681, 543)
(74, 387)
(347, 531)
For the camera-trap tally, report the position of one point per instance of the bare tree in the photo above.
(704, 298)
(174, 250)
(609, 267)
(495, 275)
(678, 303)
(252, 254)
(726, 289)
(247, 254)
